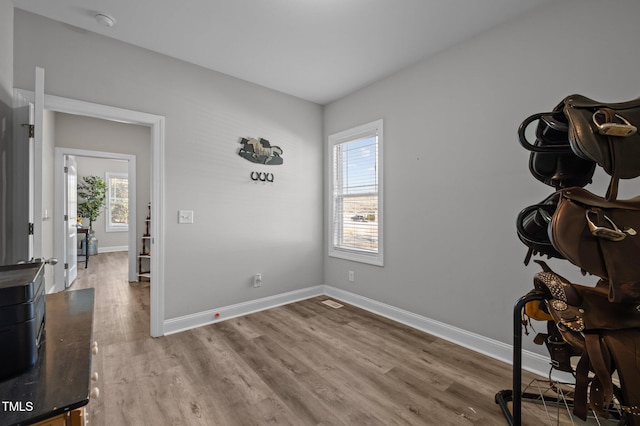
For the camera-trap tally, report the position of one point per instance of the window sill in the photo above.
(371, 259)
(117, 230)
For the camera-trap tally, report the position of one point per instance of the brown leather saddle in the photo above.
(601, 237)
(604, 335)
(606, 133)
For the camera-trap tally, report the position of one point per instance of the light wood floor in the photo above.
(300, 364)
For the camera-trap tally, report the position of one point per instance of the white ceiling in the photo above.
(319, 50)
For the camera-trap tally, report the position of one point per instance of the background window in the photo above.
(117, 202)
(356, 194)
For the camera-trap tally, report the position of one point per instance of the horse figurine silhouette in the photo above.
(260, 151)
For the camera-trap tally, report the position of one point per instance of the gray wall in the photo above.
(6, 52)
(6, 126)
(455, 176)
(240, 227)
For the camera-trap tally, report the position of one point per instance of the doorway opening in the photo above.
(102, 163)
(156, 125)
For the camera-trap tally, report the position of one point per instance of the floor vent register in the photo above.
(332, 303)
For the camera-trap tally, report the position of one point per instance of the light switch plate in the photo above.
(185, 216)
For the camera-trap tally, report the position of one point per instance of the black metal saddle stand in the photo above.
(515, 395)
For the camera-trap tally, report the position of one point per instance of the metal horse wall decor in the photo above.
(260, 151)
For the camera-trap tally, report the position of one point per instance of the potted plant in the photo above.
(91, 200)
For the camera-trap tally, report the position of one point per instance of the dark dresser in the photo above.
(60, 379)
(22, 311)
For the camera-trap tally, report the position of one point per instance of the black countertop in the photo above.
(61, 378)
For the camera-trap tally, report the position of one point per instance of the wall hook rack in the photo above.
(262, 177)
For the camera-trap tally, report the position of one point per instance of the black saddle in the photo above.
(552, 161)
(532, 226)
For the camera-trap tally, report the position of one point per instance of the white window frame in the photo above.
(374, 128)
(113, 227)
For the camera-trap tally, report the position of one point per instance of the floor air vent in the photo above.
(331, 303)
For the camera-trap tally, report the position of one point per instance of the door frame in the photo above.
(60, 231)
(157, 125)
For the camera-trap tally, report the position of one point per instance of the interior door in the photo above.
(27, 175)
(71, 216)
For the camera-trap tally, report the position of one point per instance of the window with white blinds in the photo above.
(355, 213)
(117, 202)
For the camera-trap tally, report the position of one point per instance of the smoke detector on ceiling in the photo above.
(105, 20)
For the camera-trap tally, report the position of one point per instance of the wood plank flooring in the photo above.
(300, 364)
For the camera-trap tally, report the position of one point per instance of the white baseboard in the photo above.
(531, 361)
(175, 325)
(112, 249)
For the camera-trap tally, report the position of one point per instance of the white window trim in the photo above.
(368, 129)
(107, 223)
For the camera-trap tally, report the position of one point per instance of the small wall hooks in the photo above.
(262, 177)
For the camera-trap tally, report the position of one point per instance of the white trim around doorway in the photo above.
(156, 123)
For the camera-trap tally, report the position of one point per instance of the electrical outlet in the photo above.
(352, 276)
(257, 280)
